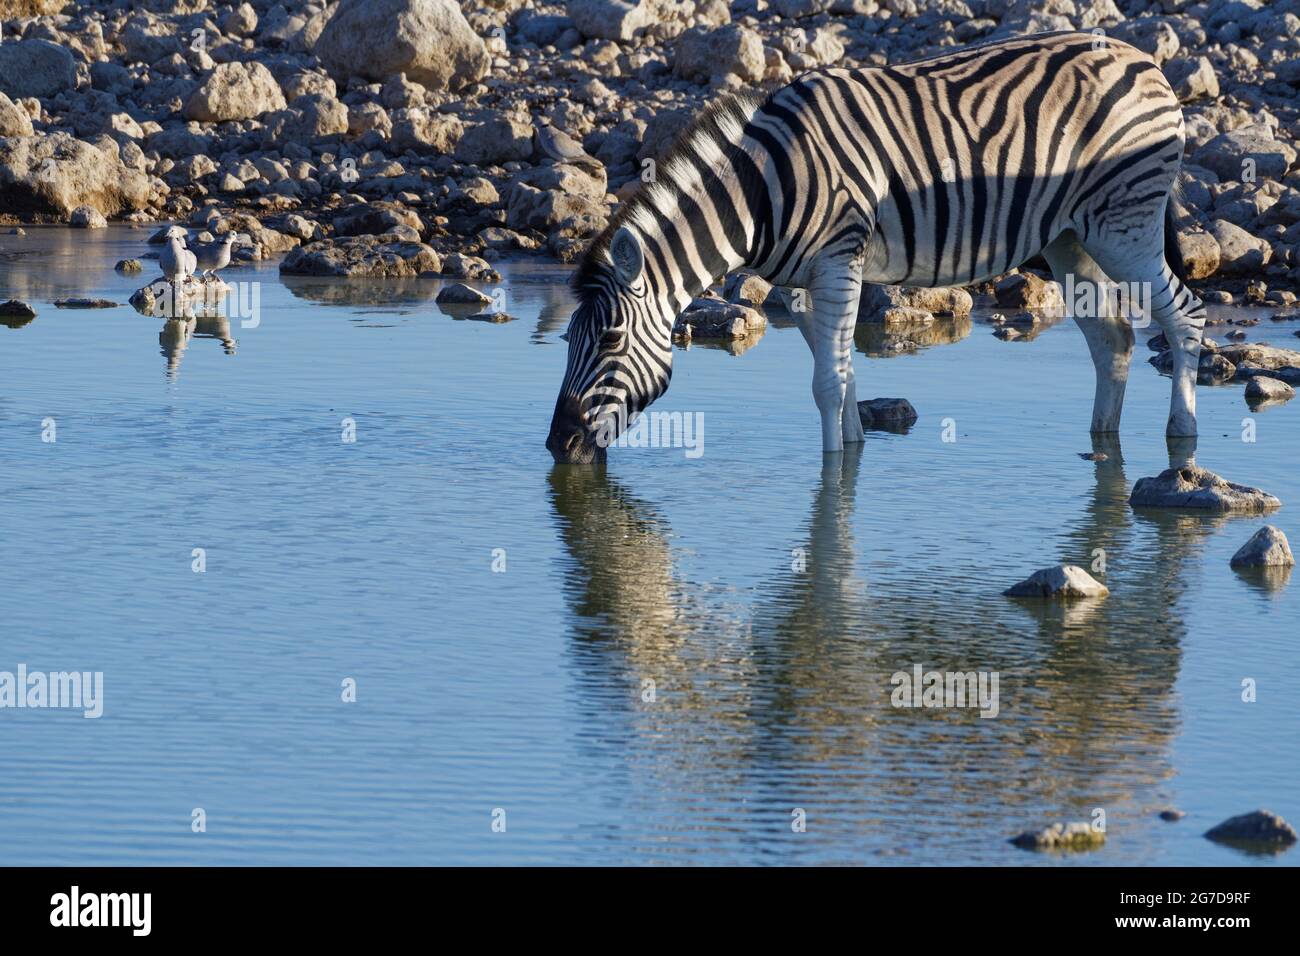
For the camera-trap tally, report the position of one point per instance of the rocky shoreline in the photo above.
(386, 138)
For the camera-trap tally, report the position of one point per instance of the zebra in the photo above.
(943, 171)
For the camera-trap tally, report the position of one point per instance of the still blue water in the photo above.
(524, 690)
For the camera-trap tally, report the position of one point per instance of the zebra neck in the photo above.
(683, 266)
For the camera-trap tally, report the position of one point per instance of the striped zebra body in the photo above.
(944, 171)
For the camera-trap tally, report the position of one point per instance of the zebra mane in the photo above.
(714, 130)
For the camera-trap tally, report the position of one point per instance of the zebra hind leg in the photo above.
(1181, 316)
(1108, 334)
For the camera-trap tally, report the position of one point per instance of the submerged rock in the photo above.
(1172, 815)
(877, 300)
(460, 294)
(1061, 836)
(715, 319)
(887, 414)
(1265, 388)
(84, 304)
(17, 310)
(1266, 548)
(1260, 829)
(1194, 487)
(127, 266)
(1062, 581)
(377, 257)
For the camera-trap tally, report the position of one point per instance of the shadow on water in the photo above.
(785, 701)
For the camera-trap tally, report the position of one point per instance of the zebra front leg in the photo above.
(835, 289)
(1109, 336)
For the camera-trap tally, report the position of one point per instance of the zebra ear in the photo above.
(626, 252)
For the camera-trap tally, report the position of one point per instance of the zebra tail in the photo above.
(1173, 255)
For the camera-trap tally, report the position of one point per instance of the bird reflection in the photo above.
(174, 338)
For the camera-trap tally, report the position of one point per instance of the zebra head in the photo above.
(620, 353)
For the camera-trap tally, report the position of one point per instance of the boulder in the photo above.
(310, 117)
(457, 293)
(428, 40)
(715, 319)
(379, 257)
(56, 173)
(1025, 290)
(501, 139)
(1196, 488)
(1200, 252)
(1061, 836)
(1152, 35)
(1253, 148)
(1265, 388)
(234, 91)
(422, 130)
(1192, 79)
(745, 288)
(35, 68)
(702, 55)
(14, 120)
(610, 19)
(1062, 581)
(1240, 253)
(1258, 829)
(1267, 548)
(887, 414)
(878, 299)
(87, 217)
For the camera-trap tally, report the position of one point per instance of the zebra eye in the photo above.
(612, 340)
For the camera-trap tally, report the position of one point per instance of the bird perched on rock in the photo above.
(561, 147)
(177, 262)
(212, 256)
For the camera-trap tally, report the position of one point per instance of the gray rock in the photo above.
(1260, 828)
(1192, 78)
(84, 304)
(56, 173)
(1240, 253)
(1265, 388)
(609, 19)
(887, 414)
(14, 120)
(1061, 836)
(457, 293)
(501, 139)
(428, 40)
(715, 319)
(17, 309)
(1226, 155)
(362, 256)
(703, 55)
(35, 68)
(1267, 548)
(234, 91)
(877, 300)
(1025, 290)
(87, 217)
(1194, 487)
(1063, 581)
(1200, 252)
(422, 130)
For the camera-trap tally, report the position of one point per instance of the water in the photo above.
(524, 690)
